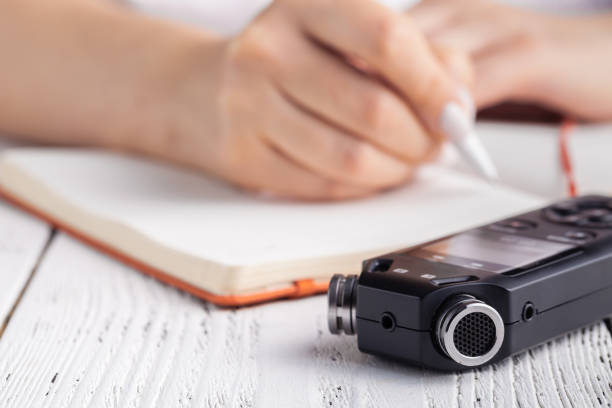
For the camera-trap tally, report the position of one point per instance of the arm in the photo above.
(87, 72)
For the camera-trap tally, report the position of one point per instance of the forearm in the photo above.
(88, 72)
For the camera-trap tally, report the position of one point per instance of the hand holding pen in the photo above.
(331, 99)
(314, 99)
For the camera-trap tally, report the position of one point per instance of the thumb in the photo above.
(459, 66)
(503, 75)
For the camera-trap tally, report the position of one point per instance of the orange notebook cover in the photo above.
(229, 247)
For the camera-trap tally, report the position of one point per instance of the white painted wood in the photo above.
(92, 332)
(22, 239)
(527, 156)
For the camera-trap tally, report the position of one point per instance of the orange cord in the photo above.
(567, 127)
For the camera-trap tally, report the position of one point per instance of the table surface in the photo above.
(89, 331)
(83, 330)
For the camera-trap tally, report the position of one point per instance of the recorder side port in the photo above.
(529, 312)
(387, 321)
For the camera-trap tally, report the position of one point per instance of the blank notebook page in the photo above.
(201, 216)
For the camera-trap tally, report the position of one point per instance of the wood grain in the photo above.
(22, 238)
(91, 332)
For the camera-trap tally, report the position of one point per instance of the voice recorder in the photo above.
(478, 296)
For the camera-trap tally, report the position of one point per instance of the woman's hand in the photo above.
(561, 62)
(316, 99)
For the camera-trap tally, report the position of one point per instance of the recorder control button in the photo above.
(520, 224)
(579, 235)
(514, 224)
(585, 213)
(453, 279)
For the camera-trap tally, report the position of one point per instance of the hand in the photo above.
(316, 99)
(561, 62)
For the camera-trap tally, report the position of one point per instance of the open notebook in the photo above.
(232, 247)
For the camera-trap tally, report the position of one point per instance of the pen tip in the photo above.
(488, 172)
(491, 175)
(475, 153)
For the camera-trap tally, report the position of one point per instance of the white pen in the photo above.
(457, 123)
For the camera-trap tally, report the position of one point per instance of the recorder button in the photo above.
(453, 279)
(520, 224)
(516, 224)
(566, 208)
(579, 235)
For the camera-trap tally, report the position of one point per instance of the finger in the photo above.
(431, 15)
(330, 152)
(460, 68)
(524, 76)
(280, 176)
(355, 102)
(473, 37)
(457, 63)
(502, 75)
(387, 41)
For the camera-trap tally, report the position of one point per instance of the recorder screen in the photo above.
(493, 252)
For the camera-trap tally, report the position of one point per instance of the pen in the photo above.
(458, 126)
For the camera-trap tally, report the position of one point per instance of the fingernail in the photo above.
(465, 97)
(455, 121)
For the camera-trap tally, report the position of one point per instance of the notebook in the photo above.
(232, 247)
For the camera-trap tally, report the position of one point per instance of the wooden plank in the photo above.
(91, 332)
(22, 238)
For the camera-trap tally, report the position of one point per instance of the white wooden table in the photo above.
(84, 330)
(79, 329)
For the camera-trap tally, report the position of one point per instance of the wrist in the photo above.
(156, 84)
(177, 105)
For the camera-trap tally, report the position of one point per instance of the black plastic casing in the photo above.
(568, 291)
